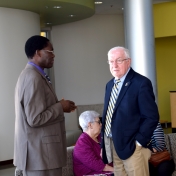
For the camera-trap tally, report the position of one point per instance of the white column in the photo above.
(16, 26)
(139, 37)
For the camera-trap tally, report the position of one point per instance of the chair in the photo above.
(68, 169)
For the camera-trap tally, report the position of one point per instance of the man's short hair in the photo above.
(35, 43)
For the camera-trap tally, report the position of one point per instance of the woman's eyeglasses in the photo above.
(99, 121)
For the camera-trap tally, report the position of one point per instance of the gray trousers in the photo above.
(51, 172)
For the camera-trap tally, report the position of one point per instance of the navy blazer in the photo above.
(135, 115)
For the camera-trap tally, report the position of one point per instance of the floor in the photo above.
(8, 170)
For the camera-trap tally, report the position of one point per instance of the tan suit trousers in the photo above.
(136, 165)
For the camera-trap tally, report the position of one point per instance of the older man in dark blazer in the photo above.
(40, 141)
(129, 118)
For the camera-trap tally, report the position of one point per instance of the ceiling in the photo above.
(115, 6)
(56, 12)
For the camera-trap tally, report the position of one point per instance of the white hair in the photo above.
(126, 51)
(86, 117)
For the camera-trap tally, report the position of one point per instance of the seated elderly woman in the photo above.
(157, 144)
(86, 154)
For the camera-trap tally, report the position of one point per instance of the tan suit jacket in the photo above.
(40, 139)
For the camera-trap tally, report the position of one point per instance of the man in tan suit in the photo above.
(40, 140)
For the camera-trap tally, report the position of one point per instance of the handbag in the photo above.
(159, 157)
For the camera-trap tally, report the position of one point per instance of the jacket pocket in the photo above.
(50, 139)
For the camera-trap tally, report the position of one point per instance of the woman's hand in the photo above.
(108, 168)
(154, 150)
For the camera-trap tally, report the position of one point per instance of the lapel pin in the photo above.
(127, 84)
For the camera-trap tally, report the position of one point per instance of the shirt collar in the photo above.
(122, 78)
(38, 67)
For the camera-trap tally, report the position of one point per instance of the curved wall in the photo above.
(16, 26)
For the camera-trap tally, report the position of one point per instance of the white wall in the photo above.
(16, 26)
(81, 69)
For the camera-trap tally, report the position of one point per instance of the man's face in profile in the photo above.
(46, 56)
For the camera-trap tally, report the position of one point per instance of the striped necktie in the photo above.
(112, 102)
(47, 77)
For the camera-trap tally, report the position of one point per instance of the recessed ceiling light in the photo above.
(48, 23)
(57, 7)
(98, 2)
(72, 16)
(122, 8)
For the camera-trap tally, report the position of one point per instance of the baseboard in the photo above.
(7, 162)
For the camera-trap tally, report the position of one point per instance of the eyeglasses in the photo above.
(49, 51)
(119, 61)
(99, 122)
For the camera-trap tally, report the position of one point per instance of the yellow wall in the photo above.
(166, 73)
(165, 44)
(165, 19)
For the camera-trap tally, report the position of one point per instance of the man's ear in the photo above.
(38, 53)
